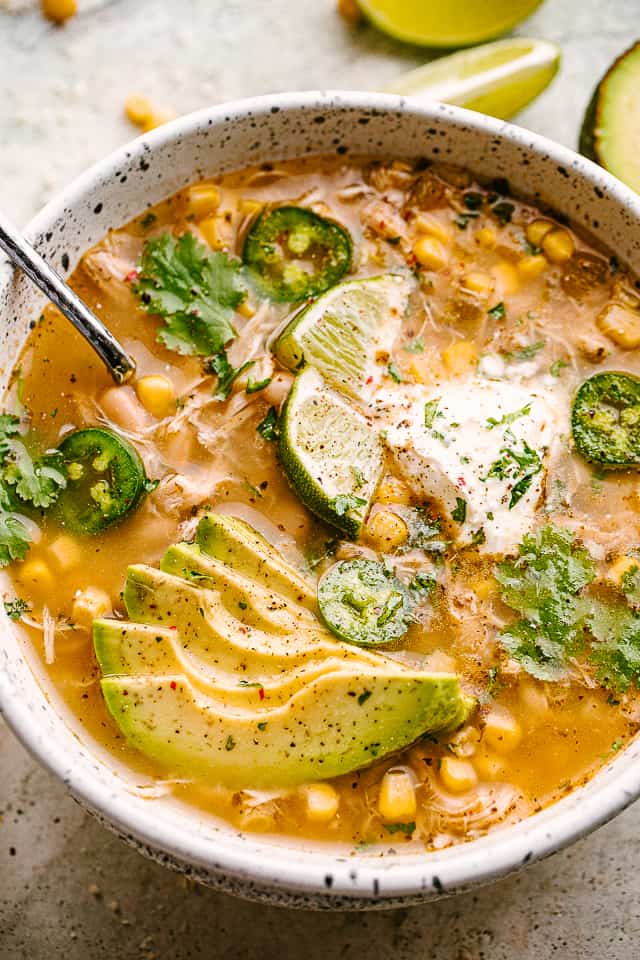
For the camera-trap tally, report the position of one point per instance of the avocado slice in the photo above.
(234, 542)
(337, 723)
(611, 127)
(220, 675)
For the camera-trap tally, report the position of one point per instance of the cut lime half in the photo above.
(331, 456)
(446, 23)
(347, 333)
(497, 78)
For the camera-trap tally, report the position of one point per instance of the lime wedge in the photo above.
(497, 78)
(329, 453)
(445, 23)
(347, 333)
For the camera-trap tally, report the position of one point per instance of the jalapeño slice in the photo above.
(294, 254)
(363, 603)
(606, 420)
(105, 480)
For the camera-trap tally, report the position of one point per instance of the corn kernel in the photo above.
(322, 802)
(558, 246)
(246, 310)
(501, 731)
(621, 325)
(66, 552)
(489, 766)
(210, 230)
(486, 237)
(460, 357)
(428, 223)
(457, 775)
(506, 278)
(484, 588)
(157, 395)
(397, 797)
(537, 230)
(531, 267)
(479, 282)
(350, 11)
(157, 118)
(430, 253)
(138, 110)
(392, 490)
(202, 200)
(36, 573)
(386, 530)
(88, 604)
(622, 565)
(59, 10)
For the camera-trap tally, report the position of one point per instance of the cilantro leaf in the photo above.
(14, 538)
(631, 585)
(406, 828)
(424, 529)
(15, 608)
(459, 513)
(193, 289)
(416, 346)
(498, 312)
(394, 373)
(616, 651)
(226, 373)
(345, 502)
(508, 418)
(543, 585)
(268, 428)
(431, 411)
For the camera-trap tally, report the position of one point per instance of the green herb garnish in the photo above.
(226, 373)
(416, 346)
(431, 412)
(459, 513)
(254, 386)
(498, 312)
(14, 609)
(394, 373)
(345, 502)
(268, 428)
(406, 828)
(508, 418)
(193, 289)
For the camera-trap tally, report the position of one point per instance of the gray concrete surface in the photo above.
(68, 889)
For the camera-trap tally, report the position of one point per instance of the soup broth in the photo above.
(504, 313)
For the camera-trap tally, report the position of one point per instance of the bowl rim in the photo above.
(327, 873)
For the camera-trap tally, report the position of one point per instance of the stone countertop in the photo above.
(67, 887)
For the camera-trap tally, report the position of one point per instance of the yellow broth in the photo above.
(208, 454)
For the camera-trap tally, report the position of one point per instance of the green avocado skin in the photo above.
(254, 696)
(596, 117)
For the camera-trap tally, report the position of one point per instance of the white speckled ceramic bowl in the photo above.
(143, 172)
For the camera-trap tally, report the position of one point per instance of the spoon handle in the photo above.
(23, 255)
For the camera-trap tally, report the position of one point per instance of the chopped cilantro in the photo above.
(494, 684)
(431, 412)
(424, 529)
(525, 353)
(509, 418)
(543, 585)
(394, 373)
(262, 725)
(226, 373)
(253, 386)
(479, 537)
(193, 289)
(148, 220)
(406, 828)
(462, 220)
(14, 609)
(498, 312)
(459, 513)
(268, 428)
(316, 554)
(249, 683)
(617, 745)
(556, 367)
(364, 697)
(422, 583)
(631, 585)
(416, 346)
(520, 466)
(358, 477)
(345, 502)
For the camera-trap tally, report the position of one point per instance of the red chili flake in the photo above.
(131, 276)
(173, 685)
(411, 260)
(369, 380)
(461, 481)
(173, 628)
(261, 693)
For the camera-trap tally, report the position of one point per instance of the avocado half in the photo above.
(223, 671)
(610, 132)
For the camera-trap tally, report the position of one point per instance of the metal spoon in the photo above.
(23, 255)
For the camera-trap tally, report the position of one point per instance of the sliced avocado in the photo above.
(611, 127)
(337, 723)
(219, 676)
(234, 542)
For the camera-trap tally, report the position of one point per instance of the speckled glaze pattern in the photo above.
(139, 175)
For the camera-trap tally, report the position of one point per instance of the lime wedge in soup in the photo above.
(497, 78)
(331, 456)
(347, 333)
(445, 23)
